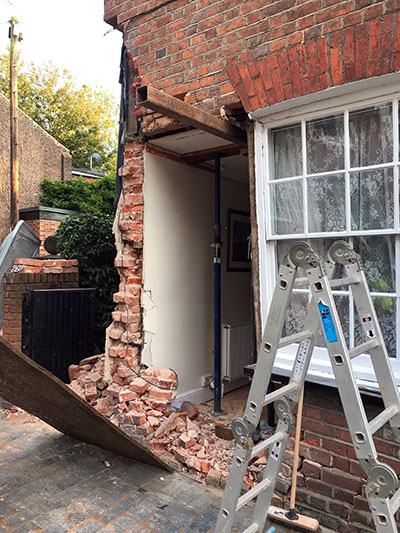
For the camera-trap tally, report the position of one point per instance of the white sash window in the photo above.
(331, 171)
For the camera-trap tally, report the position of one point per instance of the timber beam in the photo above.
(209, 153)
(189, 115)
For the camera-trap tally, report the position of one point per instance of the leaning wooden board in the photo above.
(31, 387)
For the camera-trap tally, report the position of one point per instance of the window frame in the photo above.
(296, 112)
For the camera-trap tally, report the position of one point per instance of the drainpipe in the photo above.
(217, 286)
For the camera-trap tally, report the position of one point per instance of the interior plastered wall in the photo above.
(177, 297)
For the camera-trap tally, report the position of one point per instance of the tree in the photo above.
(83, 119)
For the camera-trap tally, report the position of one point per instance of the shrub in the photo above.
(89, 238)
(77, 194)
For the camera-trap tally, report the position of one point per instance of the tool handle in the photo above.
(296, 451)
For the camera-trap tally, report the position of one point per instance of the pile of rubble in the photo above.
(144, 408)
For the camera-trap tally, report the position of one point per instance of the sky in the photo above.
(70, 33)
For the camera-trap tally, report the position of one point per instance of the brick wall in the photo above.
(330, 481)
(186, 48)
(41, 157)
(44, 221)
(16, 283)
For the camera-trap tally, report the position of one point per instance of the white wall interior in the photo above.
(178, 268)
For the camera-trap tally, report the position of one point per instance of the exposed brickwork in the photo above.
(186, 48)
(41, 157)
(43, 229)
(125, 332)
(15, 284)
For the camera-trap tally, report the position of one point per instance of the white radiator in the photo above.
(236, 349)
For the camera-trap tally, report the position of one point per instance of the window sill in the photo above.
(320, 370)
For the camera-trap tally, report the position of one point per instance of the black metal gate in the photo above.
(58, 327)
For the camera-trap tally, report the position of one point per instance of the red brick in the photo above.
(277, 83)
(349, 46)
(246, 79)
(311, 469)
(336, 66)
(374, 38)
(340, 479)
(261, 92)
(361, 59)
(386, 53)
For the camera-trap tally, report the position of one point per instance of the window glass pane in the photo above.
(371, 195)
(325, 144)
(296, 314)
(385, 308)
(371, 136)
(287, 207)
(378, 259)
(326, 204)
(287, 152)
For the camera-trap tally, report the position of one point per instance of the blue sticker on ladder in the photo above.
(327, 322)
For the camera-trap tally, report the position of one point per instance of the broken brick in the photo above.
(90, 392)
(139, 385)
(186, 442)
(153, 421)
(126, 395)
(73, 372)
(213, 478)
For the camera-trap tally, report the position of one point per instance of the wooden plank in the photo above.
(209, 153)
(189, 115)
(31, 387)
(255, 249)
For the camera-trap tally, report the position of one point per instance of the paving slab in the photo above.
(53, 483)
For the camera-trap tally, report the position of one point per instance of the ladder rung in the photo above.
(296, 337)
(262, 446)
(302, 282)
(395, 501)
(252, 493)
(290, 387)
(382, 418)
(253, 528)
(343, 281)
(363, 348)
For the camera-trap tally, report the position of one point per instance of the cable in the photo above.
(138, 374)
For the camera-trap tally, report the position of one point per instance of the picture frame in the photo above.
(238, 230)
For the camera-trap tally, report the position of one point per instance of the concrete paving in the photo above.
(52, 483)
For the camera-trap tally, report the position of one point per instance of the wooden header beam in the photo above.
(209, 153)
(189, 115)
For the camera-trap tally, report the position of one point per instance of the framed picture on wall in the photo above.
(239, 230)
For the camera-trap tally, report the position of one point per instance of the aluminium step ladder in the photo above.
(382, 489)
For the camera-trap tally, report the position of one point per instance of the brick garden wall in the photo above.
(36, 274)
(41, 157)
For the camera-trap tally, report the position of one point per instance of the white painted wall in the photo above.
(178, 268)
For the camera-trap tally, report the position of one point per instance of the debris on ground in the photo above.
(145, 408)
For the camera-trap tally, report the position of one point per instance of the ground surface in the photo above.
(52, 483)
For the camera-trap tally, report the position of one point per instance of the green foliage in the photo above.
(83, 119)
(77, 194)
(89, 238)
